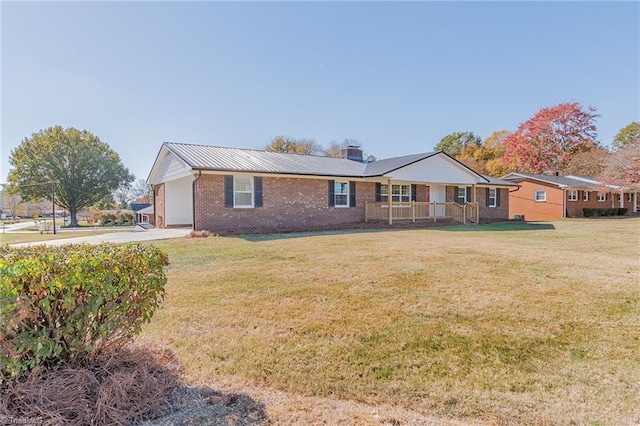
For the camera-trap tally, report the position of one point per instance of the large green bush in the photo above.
(613, 211)
(59, 304)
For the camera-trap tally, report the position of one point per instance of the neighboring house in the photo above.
(145, 214)
(232, 190)
(549, 197)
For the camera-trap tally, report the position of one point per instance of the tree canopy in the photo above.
(486, 157)
(548, 139)
(454, 143)
(628, 134)
(75, 164)
(294, 146)
(623, 167)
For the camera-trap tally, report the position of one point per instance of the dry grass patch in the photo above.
(506, 323)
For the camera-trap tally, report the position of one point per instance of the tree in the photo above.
(548, 139)
(486, 158)
(626, 135)
(623, 167)
(454, 143)
(293, 146)
(76, 165)
(587, 163)
(140, 192)
(10, 204)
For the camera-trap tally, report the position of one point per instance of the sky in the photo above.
(397, 76)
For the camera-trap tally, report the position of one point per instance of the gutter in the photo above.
(193, 199)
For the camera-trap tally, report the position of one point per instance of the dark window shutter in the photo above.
(257, 191)
(414, 192)
(497, 197)
(352, 193)
(488, 200)
(469, 194)
(332, 189)
(228, 191)
(378, 191)
(455, 195)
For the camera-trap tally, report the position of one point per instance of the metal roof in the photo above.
(207, 157)
(561, 181)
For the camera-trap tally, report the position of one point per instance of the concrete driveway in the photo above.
(117, 237)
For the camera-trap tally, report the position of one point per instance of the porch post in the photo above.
(390, 200)
(621, 198)
(635, 202)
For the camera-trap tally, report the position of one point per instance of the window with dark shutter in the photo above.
(378, 191)
(497, 197)
(468, 198)
(257, 194)
(228, 191)
(332, 201)
(352, 193)
(414, 192)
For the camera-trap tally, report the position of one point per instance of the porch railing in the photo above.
(421, 211)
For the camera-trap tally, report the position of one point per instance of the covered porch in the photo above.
(415, 210)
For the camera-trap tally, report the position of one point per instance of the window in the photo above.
(341, 194)
(399, 193)
(242, 192)
(573, 195)
(462, 194)
(585, 195)
(629, 197)
(540, 195)
(492, 197)
(602, 197)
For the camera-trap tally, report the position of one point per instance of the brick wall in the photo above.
(288, 204)
(159, 203)
(500, 212)
(522, 202)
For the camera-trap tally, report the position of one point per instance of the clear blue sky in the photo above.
(396, 76)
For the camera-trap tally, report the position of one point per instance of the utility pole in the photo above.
(53, 205)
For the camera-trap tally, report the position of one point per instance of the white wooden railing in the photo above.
(421, 211)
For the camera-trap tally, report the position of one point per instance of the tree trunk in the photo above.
(73, 223)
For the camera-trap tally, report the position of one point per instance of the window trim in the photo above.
(252, 192)
(542, 199)
(629, 197)
(602, 198)
(398, 197)
(572, 195)
(494, 198)
(336, 194)
(463, 199)
(585, 195)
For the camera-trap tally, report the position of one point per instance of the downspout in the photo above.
(564, 203)
(193, 199)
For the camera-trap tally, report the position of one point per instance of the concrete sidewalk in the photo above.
(116, 237)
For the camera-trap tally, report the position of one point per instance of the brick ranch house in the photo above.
(224, 190)
(550, 197)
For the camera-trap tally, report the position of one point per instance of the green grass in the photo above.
(516, 322)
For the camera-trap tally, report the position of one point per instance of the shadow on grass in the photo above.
(205, 406)
(430, 226)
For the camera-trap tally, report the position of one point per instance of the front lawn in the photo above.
(512, 323)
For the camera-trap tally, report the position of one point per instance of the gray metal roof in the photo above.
(562, 181)
(207, 157)
(495, 181)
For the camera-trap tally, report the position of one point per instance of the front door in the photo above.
(437, 194)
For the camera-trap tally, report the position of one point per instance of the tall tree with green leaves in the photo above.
(454, 143)
(74, 164)
(627, 135)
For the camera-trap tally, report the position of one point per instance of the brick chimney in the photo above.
(352, 152)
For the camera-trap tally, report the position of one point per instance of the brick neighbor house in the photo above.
(226, 190)
(549, 197)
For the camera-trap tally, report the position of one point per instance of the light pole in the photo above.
(53, 205)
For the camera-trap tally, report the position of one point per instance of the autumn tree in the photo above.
(626, 135)
(454, 143)
(75, 164)
(548, 139)
(486, 157)
(294, 146)
(623, 167)
(587, 163)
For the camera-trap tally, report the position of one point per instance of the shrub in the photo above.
(108, 219)
(199, 234)
(125, 219)
(70, 302)
(593, 212)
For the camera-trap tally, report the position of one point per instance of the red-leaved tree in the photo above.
(623, 168)
(548, 139)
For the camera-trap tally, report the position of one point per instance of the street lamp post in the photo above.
(53, 205)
